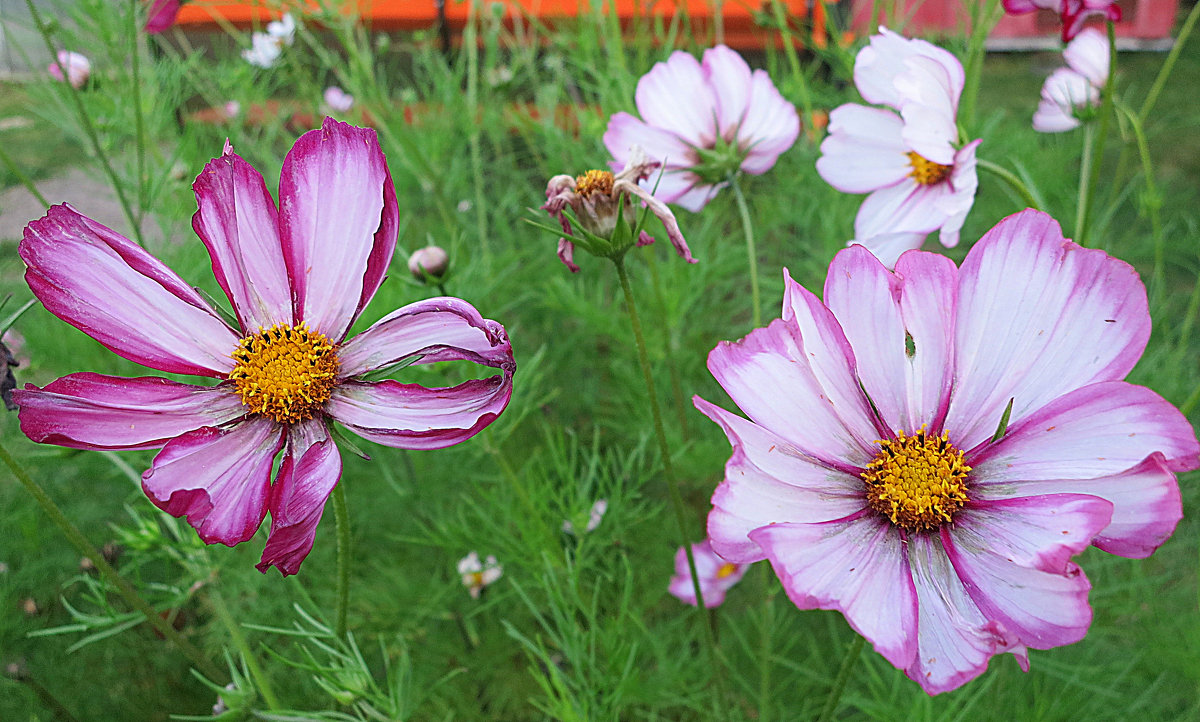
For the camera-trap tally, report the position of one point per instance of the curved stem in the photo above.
(843, 676)
(123, 587)
(1011, 179)
(342, 519)
(1085, 177)
(751, 253)
(217, 601)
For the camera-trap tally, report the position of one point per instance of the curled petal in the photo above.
(660, 211)
(566, 254)
(310, 469)
(111, 289)
(91, 411)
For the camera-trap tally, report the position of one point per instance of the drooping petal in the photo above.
(435, 329)
(767, 480)
(662, 213)
(1039, 317)
(310, 469)
(729, 77)
(114, 291)
(91, 411)
(217, 478)
(337, 219)
(237, 221)
(858, 566)
(674, 95)
(863, 151)
(408, 416)
(901, 329)
(887, 55)
(770, 127)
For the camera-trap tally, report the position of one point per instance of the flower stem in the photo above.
(138, 121)
(843, 676)
(472, 47)
(765, 693)
(342, 520)
(669, 472)
(1090, 169)
(123, 587)
(1085, 176)
(1011, 179)
(672, 367)
(983, 19)
(217, 601)
(751, 253)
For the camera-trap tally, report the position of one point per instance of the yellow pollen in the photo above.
(285, 372)
(594, 181)
(726, 570)
(926, 172)
(918, 482)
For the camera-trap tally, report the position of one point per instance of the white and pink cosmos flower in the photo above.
(874, 470)
(1074, 91)
(716, 576)
(298, 275)
(906, 155)
(1073, 13)
(704, 121)
(76, 66)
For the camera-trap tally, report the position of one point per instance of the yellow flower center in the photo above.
(594, 181)
(918, 482)
(727, 569)
(926, 172)
(285, 372)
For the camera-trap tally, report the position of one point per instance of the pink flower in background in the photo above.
(704, 121)
(906, 155)
(298, 275)
(874, 470)
(338, 99)
(78, 68)
(161, 15)
(477, 575)
(1073, 13)
(716, 576)
(1070, 94)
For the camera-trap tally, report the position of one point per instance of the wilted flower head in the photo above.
(429, 263)
(603, 205)
(298, 276)
(476, 575)
(77, 67)
(1070, 94)
(704, 121)
(716, 575)
(925, 450)
(906, 155)
(595, 516)
(160, 15)
(1073, 13)
(338, 99)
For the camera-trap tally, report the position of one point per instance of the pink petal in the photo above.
(1039, 532)
(161, 15)
(901, 329)
(310, 469)
(115, 292)
(436, 329)
(91, 411)
(217, 478)
(887, 55)
(954, 639)
(956, 204)
(863, 151)
(1039, 317)
(237, 221)
(1041, 609)
(858, 566)
(708, 566)
(1088, 55)
(676, 97)
(337, 219)
(770, 127)
(767, 480)
(728, 76)
(888, 247)
(408, 416)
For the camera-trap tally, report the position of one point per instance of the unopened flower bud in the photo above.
(429, 263)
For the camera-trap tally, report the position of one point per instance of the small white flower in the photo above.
(283, 29)
(476, 576)
(264, 50)
(338, 100)
(594, 517)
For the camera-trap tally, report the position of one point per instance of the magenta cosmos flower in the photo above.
(1071, 94)
(704, 121)
(160, 14)
(906, 155)
(869, 471)
(717, 576)
(1073, 13)
(298, 276)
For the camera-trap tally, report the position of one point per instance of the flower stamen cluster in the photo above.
(918, 482)
(285, 372)
(926, 172)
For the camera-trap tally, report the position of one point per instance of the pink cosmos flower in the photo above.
(338, 99)
(298, 275)
(161, 15)
(78, 68)
(716, 576)
(704, 121)
(876, 475)
(907, 154)
(1072, 12)
(1072, 92)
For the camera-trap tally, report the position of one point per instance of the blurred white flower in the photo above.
(338, 100)
(283, 29)
(76, 66)
(264, 50)
(476, 575)
(594, 517)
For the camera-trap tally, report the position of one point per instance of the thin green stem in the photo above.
(24, 179)
(138, 121)
(1093, 156)
(122, 586)
(983, 18)
(767, 635)
(341, 518)
(470, 40)
(89, 129)
(751, 253)
(1168, 65)
(1152, 201)
(261, 681)
(1011, 179)
(1085, 177)
(660, 300)
(669, 473)
(843, 676)
(789, 47)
